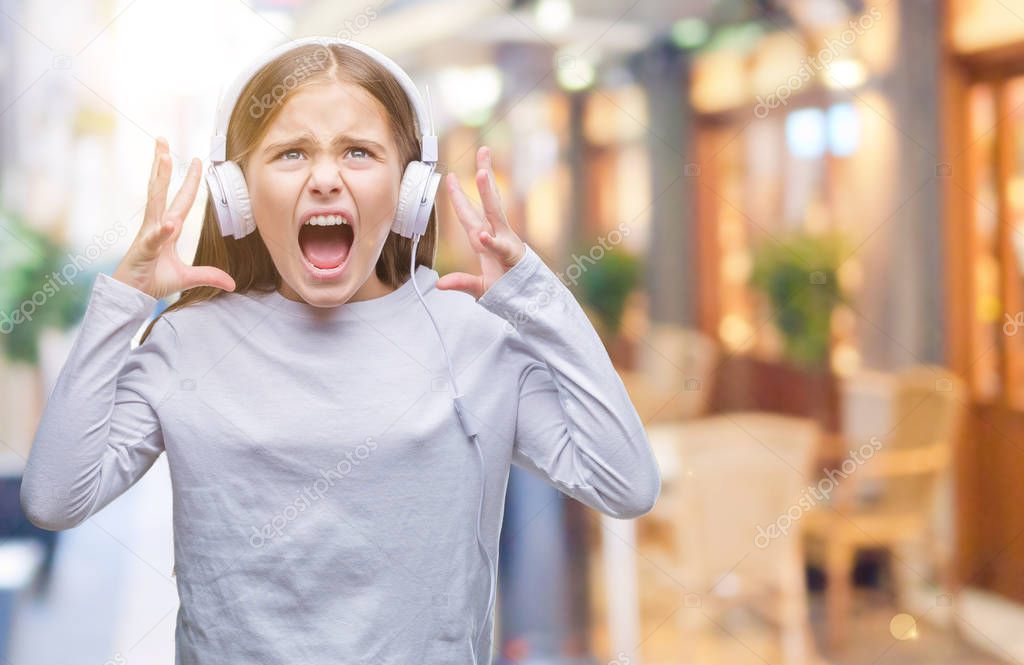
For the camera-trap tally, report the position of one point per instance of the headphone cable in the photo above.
(473, 436)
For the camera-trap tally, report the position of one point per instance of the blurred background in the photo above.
(798, 226)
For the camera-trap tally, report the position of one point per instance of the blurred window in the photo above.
(768, 177)
(995, 206)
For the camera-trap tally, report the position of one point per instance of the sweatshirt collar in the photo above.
(374, 308)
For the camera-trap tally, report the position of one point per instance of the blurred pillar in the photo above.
(542, 569)
(544, 597)
(671, 272)
(914, 316)
(10, 9)
(577, 235)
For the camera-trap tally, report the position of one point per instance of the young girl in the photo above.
(330, 504)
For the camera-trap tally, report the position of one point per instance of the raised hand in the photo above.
(495, 243)
(152, 264)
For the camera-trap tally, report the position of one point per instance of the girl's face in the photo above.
(328, 157)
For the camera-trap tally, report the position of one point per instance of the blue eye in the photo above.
(295, 151)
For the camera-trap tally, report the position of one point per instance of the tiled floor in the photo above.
(872, 642)
(741, 638)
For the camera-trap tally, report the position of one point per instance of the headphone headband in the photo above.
(229, 98)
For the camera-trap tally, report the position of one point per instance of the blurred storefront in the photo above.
(799, 135)
(897, 129)
(985, 197)
(811, 190)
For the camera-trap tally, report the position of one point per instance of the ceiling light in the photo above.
(553, 15)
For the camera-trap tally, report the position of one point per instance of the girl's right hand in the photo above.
(152, 264)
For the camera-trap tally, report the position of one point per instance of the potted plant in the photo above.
(33, 300)
(798, 276)
(36, 305)
(604, 288)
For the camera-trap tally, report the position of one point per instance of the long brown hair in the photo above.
(247, 259)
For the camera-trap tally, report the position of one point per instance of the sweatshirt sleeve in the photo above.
(575, 426)
(99, 431)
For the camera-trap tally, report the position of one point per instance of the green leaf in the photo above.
(799, 278)
(32, 298)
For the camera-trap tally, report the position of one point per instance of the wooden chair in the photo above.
(674, 374)
(671, 383)
(735, 475)
(885, 490)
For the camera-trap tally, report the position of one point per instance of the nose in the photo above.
(325, 179)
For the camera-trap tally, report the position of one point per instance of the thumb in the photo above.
(208, 276)
(461, 281)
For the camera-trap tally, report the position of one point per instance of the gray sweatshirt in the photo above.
(325, 495)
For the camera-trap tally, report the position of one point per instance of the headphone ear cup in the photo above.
(431, 194)
(418, 183)
(230, 199)
(215, 177)
(238, 196)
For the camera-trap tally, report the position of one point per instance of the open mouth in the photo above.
(326, 241)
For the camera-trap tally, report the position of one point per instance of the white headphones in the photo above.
(227, 184)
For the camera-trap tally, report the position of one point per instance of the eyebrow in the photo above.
(308, 139)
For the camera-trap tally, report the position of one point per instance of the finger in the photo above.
(157, 201)
(156, 158)
(154, 237)
(489, 196)
(503, 248)
(461, 281)
(493, 206)
(176, 233)
(470, 218)
(187, 194)
(485, 161)
(208, 276)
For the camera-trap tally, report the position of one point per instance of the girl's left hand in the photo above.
(490, 235)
